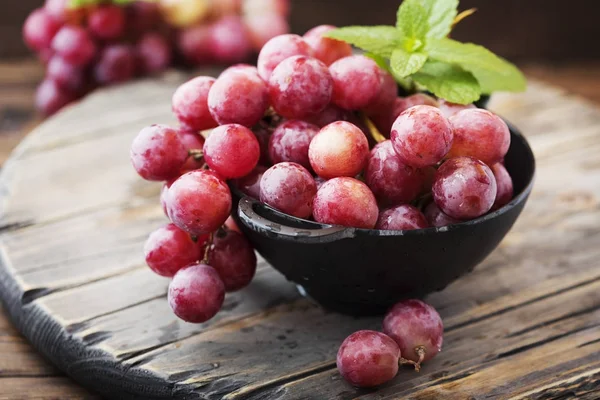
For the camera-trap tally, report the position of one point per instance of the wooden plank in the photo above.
(42, 389)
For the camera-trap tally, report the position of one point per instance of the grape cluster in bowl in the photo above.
(105, 42)
(317, 133)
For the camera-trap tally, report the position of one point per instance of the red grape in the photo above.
(196, 44)
(290, 141)
(168, 249)
(192, 141)
(263, 135)
(437, 218)
(157, 153)
(142, 16)
(107, 22)
(347, 202)
(190, 104)
(339, 149)
(263, 27)
(278, 49)
(422, 136)
(356, 82)
(163, 195)
(242, 68)
(325, 49)
(57, 9)
(234, 259)
(449, 109)
(464, 188)
(50, 97)
(388, 93)
(368, 359)
(238, 97)
(402, 218)
(329, 115)
(281, 7)
(199, 202)
(231, 225)
(196, 293)
(74, 45)
(232, 151)
(154, 53)
(392, 181)
(419, 99)
(117, 63)
(479, 134)
(67, 76)
(300, 87)
(250, 184)
(417, 329)
(230, 42)
(290, 188)
(39, 29)
(385, 118)
(504, 184)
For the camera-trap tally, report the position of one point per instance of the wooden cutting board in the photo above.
(74, 216)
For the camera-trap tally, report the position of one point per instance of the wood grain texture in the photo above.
(524, 324)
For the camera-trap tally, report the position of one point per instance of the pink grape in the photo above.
(232, 151)
(368, 359)
(402, 218)
(449, 109)
(199, 202)
(356, 82)
(230, 42)
(74, 45)
(384, 119)
(290, 142)
(39, 29)
(392, 181)
(263, 135)
(479, 134)
(67, 76)
(107, 22)
(163, 195)
(290, 188)
(435, 217)
(300, 87)
(57, 9)
(329, 115)
(464, 188)
(50, 97)
(242, 68)
(280, 7)
(278, 49)
(234, 259)
(325, 49)
(196, 44)
(168, 249)
(263, 27)
(388, 93)
(339, 149)
(190, 104)
(422, 136)
(505, 186)
(250, 184)
(157, 153)
(117, 63)
(238, 97)
(192, 141)
(347, 202)
(415, 326)
(196, 293)
(154, 53)
(142, 16)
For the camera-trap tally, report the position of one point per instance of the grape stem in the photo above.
(420, 350)
(207, 247)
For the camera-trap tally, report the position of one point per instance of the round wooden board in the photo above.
(525, 324)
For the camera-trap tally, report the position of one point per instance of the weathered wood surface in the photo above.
(525, 324)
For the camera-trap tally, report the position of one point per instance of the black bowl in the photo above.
(363, 272)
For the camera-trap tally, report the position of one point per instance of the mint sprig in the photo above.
(417, 51)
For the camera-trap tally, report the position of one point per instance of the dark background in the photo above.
(522, 30)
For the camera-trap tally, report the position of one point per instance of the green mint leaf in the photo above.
(492, 72)
(379, 40)
(448, 82)
(404, 64)
(440, 15)
(412, 23)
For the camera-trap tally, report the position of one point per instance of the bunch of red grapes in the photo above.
(102, 44)
(299, 133)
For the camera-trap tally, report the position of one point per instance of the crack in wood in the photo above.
(555, 320)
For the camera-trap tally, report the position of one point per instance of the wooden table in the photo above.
(23, 374)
